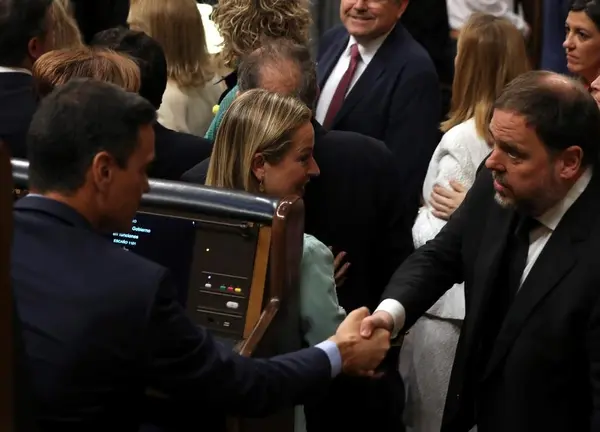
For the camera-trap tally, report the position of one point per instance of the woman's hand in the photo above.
(339, 268)
(446, 200)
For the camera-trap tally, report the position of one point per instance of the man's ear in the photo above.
(403, 6)
(35, 48)
(103, 170)
(570, 163)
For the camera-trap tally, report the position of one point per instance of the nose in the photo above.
(493, 161)
(568, 43)
(313, 168)
(361, 5)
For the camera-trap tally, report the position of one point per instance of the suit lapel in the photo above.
(499, 223)
(556, 260)
(373, 72)
(363, 86)
(330, 59)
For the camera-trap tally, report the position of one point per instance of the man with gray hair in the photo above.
(359, 186)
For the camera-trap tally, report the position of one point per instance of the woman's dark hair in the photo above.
(590, 7)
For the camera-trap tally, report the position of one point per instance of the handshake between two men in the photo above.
(363, 340)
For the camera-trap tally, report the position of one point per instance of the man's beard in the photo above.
(534, 206)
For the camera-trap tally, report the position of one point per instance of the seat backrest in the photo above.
(6, 301)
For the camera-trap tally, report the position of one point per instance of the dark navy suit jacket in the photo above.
(396, 100)
(17, 105)
(101, 325)
(553, 54)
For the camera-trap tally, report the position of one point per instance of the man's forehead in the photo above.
(502, 119)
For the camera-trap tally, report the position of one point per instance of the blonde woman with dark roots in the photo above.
(65, 32)
(243, 24)
(193, 88)
(264, 146)
(491, 53)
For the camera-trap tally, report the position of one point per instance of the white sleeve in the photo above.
(455, 163)
(396, 310)
(499, 8)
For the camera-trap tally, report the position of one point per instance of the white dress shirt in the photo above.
(537, 241)
(5, 69)
(459, 12)
(367, 52)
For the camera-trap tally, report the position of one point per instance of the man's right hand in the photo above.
(360, 356)
(379, 320)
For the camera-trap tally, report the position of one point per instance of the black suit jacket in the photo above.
(543, 370)
(427, 22)
(101, 324)
(355, 206)
(17, 105)
(176, 152)
(396, 100)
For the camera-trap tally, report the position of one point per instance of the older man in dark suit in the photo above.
(525, 242)
(25, 27)
(375, 79)
(100, 323)
(359, 186)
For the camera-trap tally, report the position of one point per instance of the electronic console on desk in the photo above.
(212, 263)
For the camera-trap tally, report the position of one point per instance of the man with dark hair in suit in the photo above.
(102, 324)
(525, 244)
(358, 186)
(25, 27)
(176, 152)
(375, 79)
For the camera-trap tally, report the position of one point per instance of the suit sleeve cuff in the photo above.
(396, 310)
(334, 355)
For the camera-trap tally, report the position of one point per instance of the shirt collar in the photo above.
(367, 50)
(552, 217)
(6, 69)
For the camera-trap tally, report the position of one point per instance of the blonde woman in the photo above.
(192, 89)
(243, 24)
(65, 33)
(265, 146)
(491, 53)
(60, 66)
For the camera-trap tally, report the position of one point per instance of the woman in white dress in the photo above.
(491, 52)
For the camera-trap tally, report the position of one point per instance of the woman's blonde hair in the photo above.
(60, 66)
(491, 53)
(244, 23)
(177, 26)
(257, 121)
(65, 32)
